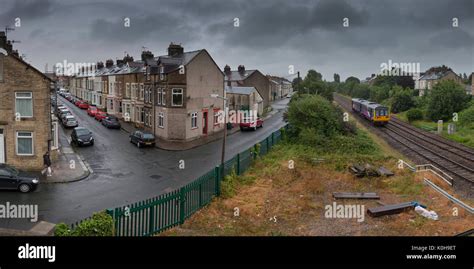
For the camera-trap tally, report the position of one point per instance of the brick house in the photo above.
(25, 109)
(182, 84)
(249, 78)
(434, 75)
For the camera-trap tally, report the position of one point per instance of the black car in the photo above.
(141, 138)
(12, 179)
(81, 136)
(111, 122)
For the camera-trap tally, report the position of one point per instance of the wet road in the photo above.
(123, 173)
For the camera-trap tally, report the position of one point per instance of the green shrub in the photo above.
(446, 98)
(101, 224)
(414, 114)
(62, 229)
(466, 117)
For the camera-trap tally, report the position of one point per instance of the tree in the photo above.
(401, 99)
(352, 80)
(337, 78)
(313, 75)
(361, 91)
(314, 118)
(296, 83)
(446, 98)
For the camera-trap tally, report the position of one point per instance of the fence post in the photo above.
(151, 225)
(267, 143)
(182, 195)
(273, 138)
(238, 163)
(218, 180)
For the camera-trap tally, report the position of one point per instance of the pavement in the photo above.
(67, 165)
(124, 174)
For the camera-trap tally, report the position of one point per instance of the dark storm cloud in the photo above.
(26, 9)
(272, 33)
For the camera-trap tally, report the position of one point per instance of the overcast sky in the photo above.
(272, 34)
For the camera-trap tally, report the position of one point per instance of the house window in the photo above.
(163, 96)
(162, 72)
(24, 143)
(142, 91)
(158, 96)
(161, 120)
(177, 98)
(127, 90)
(194, 120)
(217, 114)
(24, 104)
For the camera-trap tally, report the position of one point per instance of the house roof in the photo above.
(172, 63)
(237, 76)
(434, 75)
(240, 90)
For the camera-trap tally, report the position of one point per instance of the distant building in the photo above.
(249, 78)
(431, 77)
(25, 110)
(244, 98)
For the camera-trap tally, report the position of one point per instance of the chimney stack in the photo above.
(4, 43)
(119, 62)
(146, 54)
(175, 50)
(227, 69)
(100, 65)
(128, 59)
(109, 63)
(241, 69)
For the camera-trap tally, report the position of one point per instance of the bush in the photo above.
(414, 114)
(62, 229)
(466, 117)
(446, 98)
(401, 99)
(101, 224)
(314, 114)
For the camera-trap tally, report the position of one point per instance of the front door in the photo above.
(2, 147)
(204, 122)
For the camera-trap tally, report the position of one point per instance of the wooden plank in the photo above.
(390, 209)
(355, 195)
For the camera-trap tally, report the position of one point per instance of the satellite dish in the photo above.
(3, 51)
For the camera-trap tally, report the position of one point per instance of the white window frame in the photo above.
(128, 91)
(32, 143)
(173, 94)
(142, 91)
(30, 98)
(194, 118)
(161, 120)
(158, 96)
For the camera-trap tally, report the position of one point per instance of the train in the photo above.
(375, 113)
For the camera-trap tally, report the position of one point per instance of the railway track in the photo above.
(455, 159)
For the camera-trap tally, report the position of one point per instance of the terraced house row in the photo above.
(170, 95)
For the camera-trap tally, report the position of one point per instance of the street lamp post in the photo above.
(225, 127)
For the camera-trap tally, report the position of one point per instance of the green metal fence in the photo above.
(157, 214)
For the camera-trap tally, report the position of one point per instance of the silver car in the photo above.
(70, 121)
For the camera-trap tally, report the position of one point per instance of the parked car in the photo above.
(251, 123)
(142, 138)
(70, 121)
(92, 110)
(100, 115)
(81, 136)
(111, 122)
(63, 114)
(78, 102)
(12, 179)
(83, 105)
(61, 111)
